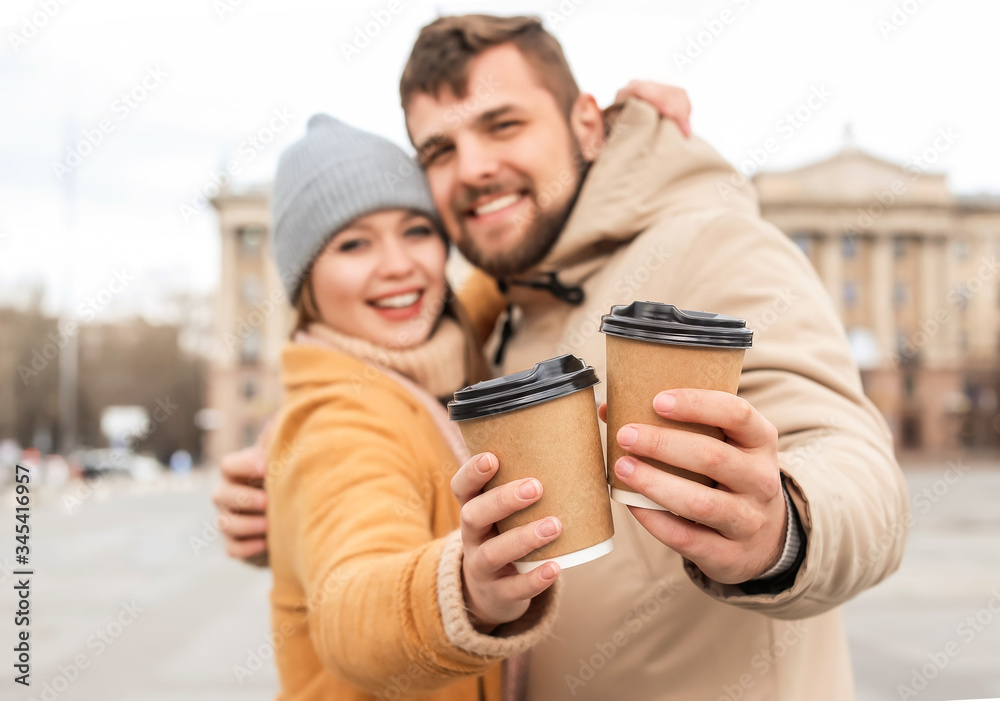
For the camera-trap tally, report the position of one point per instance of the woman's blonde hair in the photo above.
(306, 311)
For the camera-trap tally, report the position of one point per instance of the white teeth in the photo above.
(498, 204)
(399, 301)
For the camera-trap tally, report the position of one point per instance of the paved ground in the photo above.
(911, 632)
(196, 614)
(129, 606)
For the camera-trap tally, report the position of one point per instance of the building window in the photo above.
(804, 240)
(901, 294)
(960, 295)
(850, 293)
(251, 289)
(906, 350)
(899, 247)
(249, 388)
(849, 246)
(250, 240)
(250, 350)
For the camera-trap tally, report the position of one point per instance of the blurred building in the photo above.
(126, 362)
(911, 267)
(29, 377)
(913, 270)
(253, 320)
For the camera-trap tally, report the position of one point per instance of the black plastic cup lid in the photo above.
(665, 323)
(549, 379)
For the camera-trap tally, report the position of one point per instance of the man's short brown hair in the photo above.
(445, 48)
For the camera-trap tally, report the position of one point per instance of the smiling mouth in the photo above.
(400, 301)
(496, 205)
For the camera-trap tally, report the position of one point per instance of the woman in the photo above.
(368, 593)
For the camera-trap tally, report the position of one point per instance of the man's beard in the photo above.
(541, 231)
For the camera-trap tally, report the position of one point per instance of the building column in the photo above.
(831, 267)
(983, 322)
(881, 298)
(932, 307)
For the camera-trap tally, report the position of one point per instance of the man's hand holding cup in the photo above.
(733, 531)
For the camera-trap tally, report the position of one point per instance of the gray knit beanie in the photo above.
(329, 178)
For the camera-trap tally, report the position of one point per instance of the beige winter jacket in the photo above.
(658, 219)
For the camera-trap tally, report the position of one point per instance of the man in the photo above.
(573, 212)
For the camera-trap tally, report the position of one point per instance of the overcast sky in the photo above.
(182, 87)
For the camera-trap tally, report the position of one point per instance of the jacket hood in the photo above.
(647, 172)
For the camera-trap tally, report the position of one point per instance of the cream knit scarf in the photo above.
(432, 370)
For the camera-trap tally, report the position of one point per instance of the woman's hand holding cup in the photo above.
(494, 591)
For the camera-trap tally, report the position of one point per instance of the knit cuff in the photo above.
(793, 542)
(507, 639)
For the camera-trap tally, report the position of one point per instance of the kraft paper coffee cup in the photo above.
(653, 347)
(542, 423)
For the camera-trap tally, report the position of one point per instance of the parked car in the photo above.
(117, 461)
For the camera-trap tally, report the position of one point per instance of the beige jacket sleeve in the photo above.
(835, 449)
